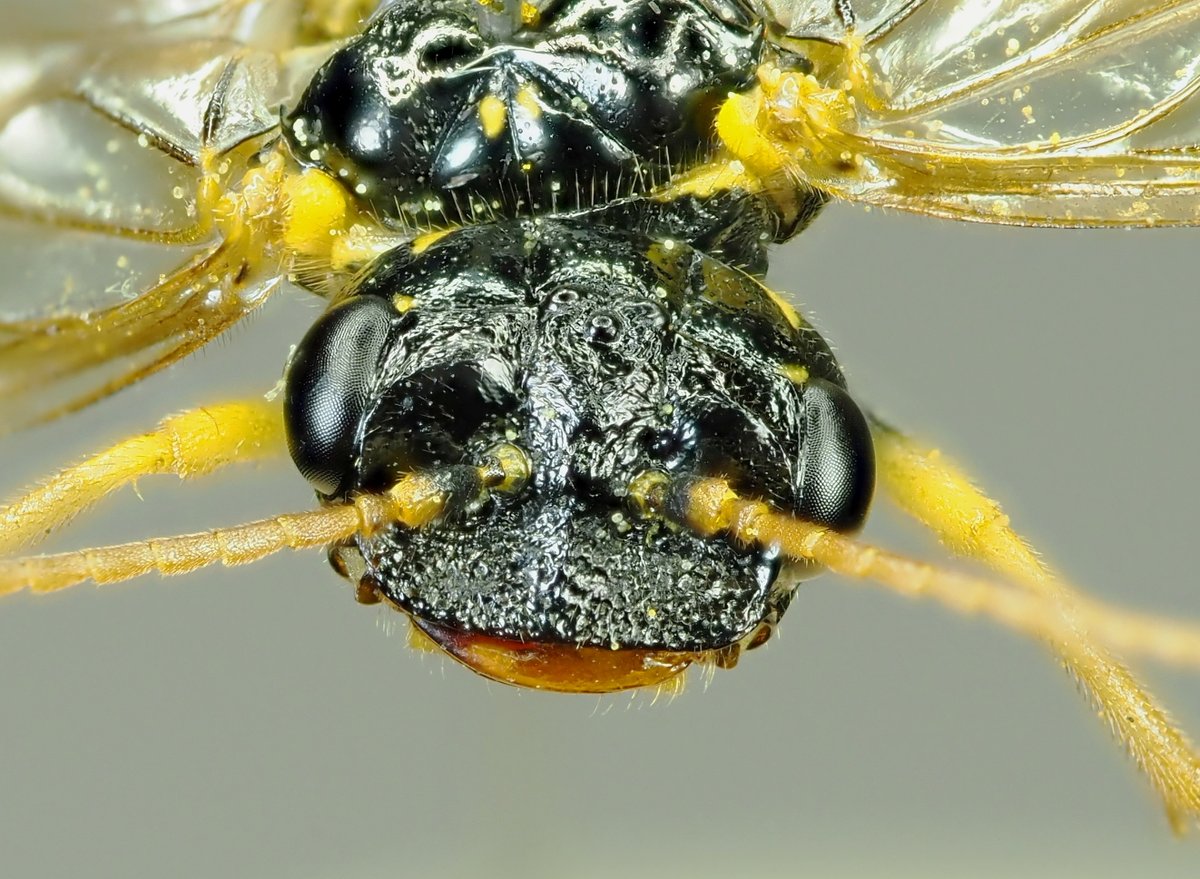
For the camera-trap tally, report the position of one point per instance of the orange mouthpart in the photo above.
(563, 668)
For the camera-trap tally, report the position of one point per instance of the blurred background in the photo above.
(257, 722)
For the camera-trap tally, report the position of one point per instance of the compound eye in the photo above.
(328, 387)
(839, 459)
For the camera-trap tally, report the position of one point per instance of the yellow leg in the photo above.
(970, 524)
(187, 445)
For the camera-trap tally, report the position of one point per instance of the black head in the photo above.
(427, 113)
(602, 355)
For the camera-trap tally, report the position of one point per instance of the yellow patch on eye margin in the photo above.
(794, 372)
(493, 116)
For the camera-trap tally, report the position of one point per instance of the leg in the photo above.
(970, 524)
(188, 445)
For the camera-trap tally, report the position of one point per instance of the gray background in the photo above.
(259, 723)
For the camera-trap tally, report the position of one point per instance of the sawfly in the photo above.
(552, 411)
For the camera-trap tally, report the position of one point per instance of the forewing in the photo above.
(1043, 112)
(109, 274)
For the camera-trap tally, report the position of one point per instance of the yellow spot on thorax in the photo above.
(493, 116)
(403, 303)
(527, 99)
(789, 121)
(249, 214)
(317, 210)
(739, 129)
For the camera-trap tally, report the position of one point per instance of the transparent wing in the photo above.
(1043, 112)
(110, 268)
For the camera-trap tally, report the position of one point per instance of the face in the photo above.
(601, 356)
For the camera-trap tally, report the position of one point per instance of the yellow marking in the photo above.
(784, 306)
(531, 16)
(715, 177)
(862, 82)
(527, 98)
(794, 372)
(257, 196)
(739, 128)
(210, 193)
(423, 242)
(514, 468)
(665, 256)
(942, 497)
(493, 116)
(711, 507)
(317, 211)
(325, 20)
(789, 113)
(402, 302)
(647, 491)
